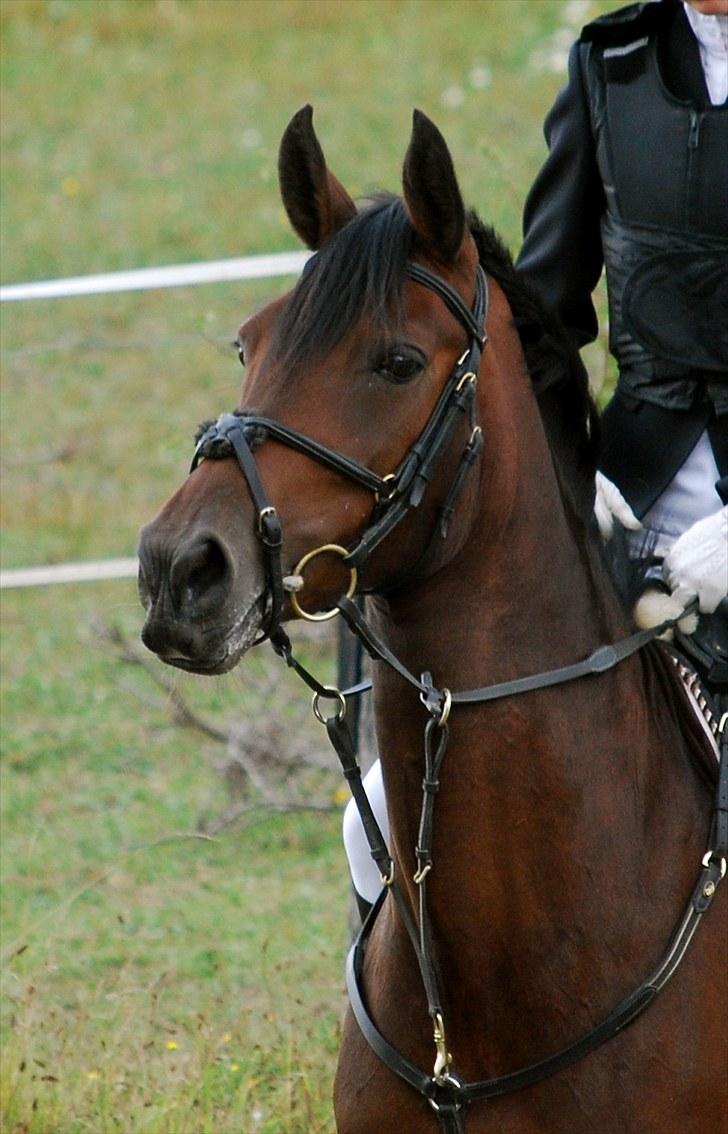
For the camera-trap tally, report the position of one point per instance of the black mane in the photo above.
(359, 271)
(558, 376)
(362, 270)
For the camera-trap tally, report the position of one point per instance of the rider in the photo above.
(636, 179)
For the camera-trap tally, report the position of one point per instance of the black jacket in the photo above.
(638, 168)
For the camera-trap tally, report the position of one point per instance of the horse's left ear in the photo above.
(431, 192)
(316, 202)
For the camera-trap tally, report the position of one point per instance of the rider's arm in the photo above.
(562, 253)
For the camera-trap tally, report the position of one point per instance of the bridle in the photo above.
(237, 434)
(395, 494)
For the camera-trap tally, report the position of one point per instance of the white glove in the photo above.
(697, 563)
(610, 505)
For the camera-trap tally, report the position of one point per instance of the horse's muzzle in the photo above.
(201, 613)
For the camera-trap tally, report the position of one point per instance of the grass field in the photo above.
(156, 980)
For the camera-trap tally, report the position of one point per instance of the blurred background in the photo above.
(174, 888)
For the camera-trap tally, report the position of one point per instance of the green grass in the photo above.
(126, 930)
(155, 981)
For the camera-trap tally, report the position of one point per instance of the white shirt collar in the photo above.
(711, 33)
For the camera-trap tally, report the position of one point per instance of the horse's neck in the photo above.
(534, 790)
(522, 595)
(525, 591)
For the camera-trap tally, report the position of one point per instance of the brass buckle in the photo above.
(441, 1072)
(469, 376)
(324, 615)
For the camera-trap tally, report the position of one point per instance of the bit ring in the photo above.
(324, 615)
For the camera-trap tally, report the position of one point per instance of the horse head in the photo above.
(343, 375)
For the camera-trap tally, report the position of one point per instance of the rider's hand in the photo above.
(610, 505)
(697, 563)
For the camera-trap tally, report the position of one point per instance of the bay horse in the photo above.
(548, 832)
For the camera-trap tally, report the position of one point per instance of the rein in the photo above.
(238, 434)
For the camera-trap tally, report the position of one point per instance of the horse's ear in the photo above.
(431, 192)
(317, 204)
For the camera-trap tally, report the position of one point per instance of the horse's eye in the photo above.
(240, 348)
(401, 364)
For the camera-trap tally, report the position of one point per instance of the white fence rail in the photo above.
(142, 279)
(69, 573)
(147, 279)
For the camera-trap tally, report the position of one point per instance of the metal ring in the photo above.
(331, 693)
(388, 479)
(324, 615)
(446, 707)
(447, 1080)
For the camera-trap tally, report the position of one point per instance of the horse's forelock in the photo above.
(359, 273)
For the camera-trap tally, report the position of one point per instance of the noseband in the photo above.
(238, 434)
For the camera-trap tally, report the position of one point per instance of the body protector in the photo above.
(662, 160)
(664, 167)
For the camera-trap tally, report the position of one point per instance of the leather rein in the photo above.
(237, 434)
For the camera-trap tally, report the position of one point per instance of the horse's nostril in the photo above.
(200, 572)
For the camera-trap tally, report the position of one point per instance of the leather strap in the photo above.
(719, 829)
(448, 1096)
(625, 1012)
(229, 432)
(257, 426)
(471, 320)
(602, 659)
(470, 454)
(343, 745)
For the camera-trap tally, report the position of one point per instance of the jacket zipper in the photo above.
(691, 187)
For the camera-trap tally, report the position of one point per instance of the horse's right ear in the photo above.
(431, 192)
(317, 204)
